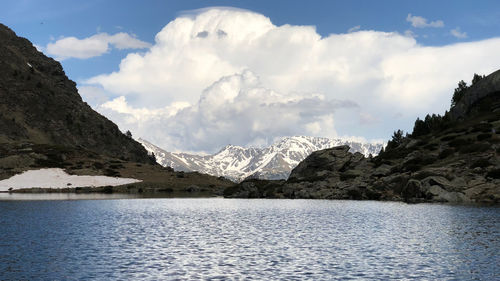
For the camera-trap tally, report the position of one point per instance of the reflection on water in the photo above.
(4, 196)
(151, 239)
(63, 196)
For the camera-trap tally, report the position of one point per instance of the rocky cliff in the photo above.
(453, 158)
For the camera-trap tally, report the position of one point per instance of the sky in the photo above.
(195, 76)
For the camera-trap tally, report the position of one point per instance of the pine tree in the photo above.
(477, 78)
(459, 93)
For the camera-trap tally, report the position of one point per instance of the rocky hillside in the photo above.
(450, 158)
(39, 104)
(273, 162)
(44, 123)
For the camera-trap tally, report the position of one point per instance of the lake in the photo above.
(219, 239)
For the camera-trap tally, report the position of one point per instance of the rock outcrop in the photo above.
(456, 160)
(476, 93)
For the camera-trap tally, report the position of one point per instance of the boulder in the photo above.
(193, 188)
(412, 190)
(453, 197)
(435, 191)
(354, 193)
(439, 181)
(332, 159)
(438, 194)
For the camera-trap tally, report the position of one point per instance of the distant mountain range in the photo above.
(273, 162)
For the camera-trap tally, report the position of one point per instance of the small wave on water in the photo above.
(151, 239)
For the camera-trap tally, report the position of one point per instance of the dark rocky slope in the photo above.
(39, 104)
(450, 158)
(45, 123)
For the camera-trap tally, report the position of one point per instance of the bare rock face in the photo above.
(486, 86)
(320, 163)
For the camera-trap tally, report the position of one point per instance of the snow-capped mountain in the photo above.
(273, 162)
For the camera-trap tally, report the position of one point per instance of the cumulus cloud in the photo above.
(421, 22)
(231, 76)
(93, 46)
(458, 33)
(236, 109)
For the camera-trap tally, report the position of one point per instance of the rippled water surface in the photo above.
(151, 239)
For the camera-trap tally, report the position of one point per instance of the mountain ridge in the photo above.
(40, 104)
(272, 162)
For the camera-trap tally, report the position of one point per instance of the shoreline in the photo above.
(56, 194)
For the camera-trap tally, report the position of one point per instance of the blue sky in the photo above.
(420, 29)
(42, 20)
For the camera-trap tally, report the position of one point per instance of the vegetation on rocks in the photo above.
(449, 158)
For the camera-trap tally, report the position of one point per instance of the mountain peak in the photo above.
(272, 162)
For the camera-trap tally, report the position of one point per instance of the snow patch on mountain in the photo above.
(272, 162)
(58, 178)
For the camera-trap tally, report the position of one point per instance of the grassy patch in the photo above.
(446, 152)
(111, 173)
(482, 137)
(347, 176)
(459, 142)
(475, 147)
(481, 163)
(482, 127)
(431, 146)
(494, 174)
(449, 138)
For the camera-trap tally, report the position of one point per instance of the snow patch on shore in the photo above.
(58, 178)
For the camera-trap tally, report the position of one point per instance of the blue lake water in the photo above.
(219, 239)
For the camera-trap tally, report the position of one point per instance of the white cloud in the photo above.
(354, 28)
(93, 46)
(236, 109)
(458, 33)
(421, 22)
(296, 82)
